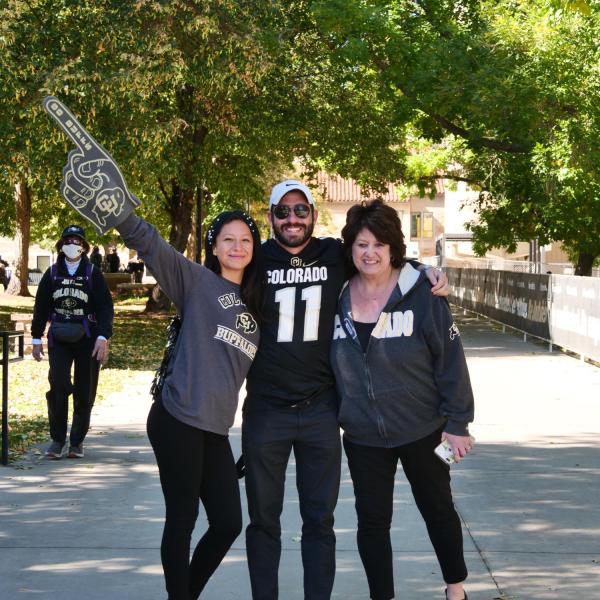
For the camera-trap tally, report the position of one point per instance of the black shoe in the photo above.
(465, 598)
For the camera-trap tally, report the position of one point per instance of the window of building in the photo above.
(421, 225)
(42, 263)
(415, 225)
(428, 225)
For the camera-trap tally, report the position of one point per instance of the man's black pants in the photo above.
(268, 438)
(373, 473)
(85, 381)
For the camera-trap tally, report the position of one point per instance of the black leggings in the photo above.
(193, 465)
(373, 473)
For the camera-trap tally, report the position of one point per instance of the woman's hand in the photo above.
(100, 352)
(461, 444)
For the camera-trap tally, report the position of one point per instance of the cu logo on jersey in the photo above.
(454, 332)
(296, 261)
(69, 303)
(245, 322)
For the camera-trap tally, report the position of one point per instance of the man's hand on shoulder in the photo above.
(438, 280)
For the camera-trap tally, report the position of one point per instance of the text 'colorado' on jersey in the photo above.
(297, 275)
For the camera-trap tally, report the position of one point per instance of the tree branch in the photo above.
(452, 178)
(475, 142)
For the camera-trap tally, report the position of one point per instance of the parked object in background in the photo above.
(3, 274)
(136, 268)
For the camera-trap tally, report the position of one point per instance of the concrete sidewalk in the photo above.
(528, 497)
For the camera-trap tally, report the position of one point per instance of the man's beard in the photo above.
(280, 236)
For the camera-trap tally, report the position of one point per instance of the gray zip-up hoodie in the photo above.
(413, 378)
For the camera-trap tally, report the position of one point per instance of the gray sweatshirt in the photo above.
(413, 378)
(218, 337)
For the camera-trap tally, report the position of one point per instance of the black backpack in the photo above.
(159, 377)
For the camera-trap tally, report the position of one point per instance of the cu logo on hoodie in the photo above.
(454, 332)
(246, 322)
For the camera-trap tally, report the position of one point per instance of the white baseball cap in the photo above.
(289, 185)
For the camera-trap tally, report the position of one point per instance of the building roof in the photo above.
(334, 188)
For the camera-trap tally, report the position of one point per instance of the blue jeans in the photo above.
(268, 437)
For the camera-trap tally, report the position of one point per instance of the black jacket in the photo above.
(98, 301)
(413, 378)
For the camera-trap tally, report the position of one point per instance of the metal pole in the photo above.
(4, 399)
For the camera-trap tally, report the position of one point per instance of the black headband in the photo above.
(226, 217)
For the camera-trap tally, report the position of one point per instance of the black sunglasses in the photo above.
(282, 211)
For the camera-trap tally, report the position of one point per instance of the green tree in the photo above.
(191, 101)
(46, 46)
(512, 85)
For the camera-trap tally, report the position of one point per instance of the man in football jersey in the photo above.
(291, 401)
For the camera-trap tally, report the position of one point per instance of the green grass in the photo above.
(137, 344)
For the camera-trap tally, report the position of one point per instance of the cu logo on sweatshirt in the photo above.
(245, 322)
(454, 332)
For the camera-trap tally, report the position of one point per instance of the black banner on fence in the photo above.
(467, 288)
(517, 299)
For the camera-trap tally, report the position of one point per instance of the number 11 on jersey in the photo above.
(286, 298)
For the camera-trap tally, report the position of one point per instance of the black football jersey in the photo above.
(292, 362)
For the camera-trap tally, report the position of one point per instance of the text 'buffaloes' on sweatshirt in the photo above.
(218, 338)
(413, 377)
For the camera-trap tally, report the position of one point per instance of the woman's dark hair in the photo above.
(383, 222)
(251, 288)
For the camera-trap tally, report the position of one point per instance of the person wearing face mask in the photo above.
(74, 300)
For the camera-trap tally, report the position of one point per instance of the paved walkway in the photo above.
(528, 497)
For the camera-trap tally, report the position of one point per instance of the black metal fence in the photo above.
(9, 355)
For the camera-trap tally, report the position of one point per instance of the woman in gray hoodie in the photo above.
(404, 388)
(188, 425)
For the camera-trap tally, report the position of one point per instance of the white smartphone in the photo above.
(444, 452)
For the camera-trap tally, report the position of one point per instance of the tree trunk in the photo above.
(199, 236)
(181, 204)
(181, 220)
(20, 274)
(585, 261)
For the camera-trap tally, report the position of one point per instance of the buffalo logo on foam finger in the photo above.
(92, 182)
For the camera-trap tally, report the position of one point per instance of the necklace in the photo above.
(381, 292)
